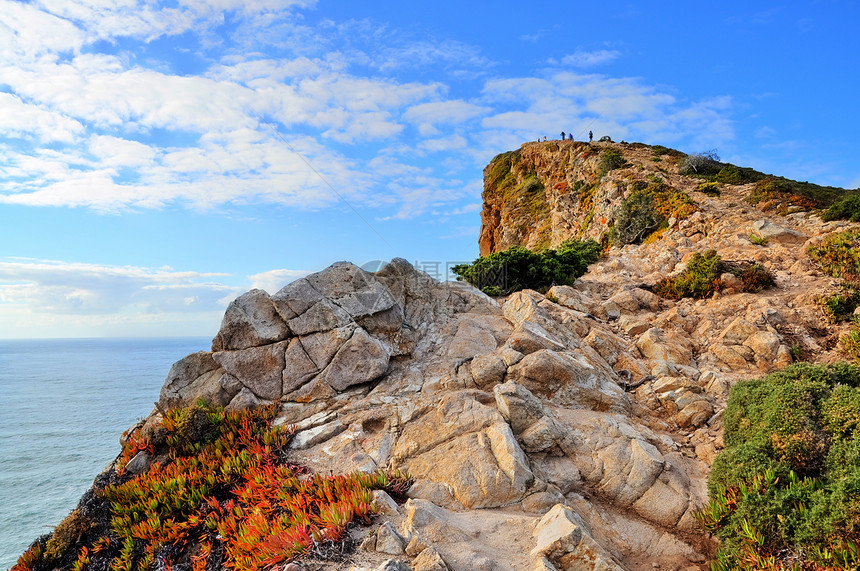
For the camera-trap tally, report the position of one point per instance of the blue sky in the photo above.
(159, 158)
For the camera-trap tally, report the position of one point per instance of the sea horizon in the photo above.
(68, 400)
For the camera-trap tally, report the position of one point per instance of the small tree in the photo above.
(636, 219)
(704, 163)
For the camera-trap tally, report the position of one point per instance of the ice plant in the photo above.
(219, 493)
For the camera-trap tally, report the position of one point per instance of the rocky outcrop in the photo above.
(516, 405)
(572, 430)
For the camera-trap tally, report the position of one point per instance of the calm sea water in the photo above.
(64, 405)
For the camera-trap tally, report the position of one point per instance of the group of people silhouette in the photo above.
(569, 136)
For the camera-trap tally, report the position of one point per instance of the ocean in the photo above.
(65, 404)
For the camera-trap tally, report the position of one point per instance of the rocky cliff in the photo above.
(567, 430)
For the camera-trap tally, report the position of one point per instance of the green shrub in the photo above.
(757, 240)
(646, 209)
(785, 493)
(709, 188)
(610, 159)
(850, 345)
(660, 150)
(839, 255)
(701, 164)
(517, 268)
(846, 208)
(840, 306)
(780, 193)
(701, 278)
(754, 277)
(731, 174)
(66, 535)
(635, 220)
(768, 189)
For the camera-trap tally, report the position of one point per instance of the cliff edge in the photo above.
(571, 429)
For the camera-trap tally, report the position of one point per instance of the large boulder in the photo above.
(562, 537)
(775, 233)
(568, 379)
(260, 369)
(194, 377)
(495, 471)
(249, 321)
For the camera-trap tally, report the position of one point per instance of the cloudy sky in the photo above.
(157, 158)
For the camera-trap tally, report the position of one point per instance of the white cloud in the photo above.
(618, 107)
(23, 120)
(454, 111)
(444, 144)
(582, 58)
(49, 286)
(99, 90)
(109, 112)
(765, 133)
(28, 32)
(116, 152)
(273, 280)
(447, 53)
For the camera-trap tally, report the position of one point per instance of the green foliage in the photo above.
(635, 220)
(660, 150)
(840, 306)
(517, 268)
(754, 277)
(796, 352)
(780, 194)
(701, 278)
(610, 159)
(786, 490)
(839, 255)
(850, 344)
(757, 240)
(66, 535)
(731, 174)
(769, 189)
(709, 188)
(646, 209)
(227, 499)
(845, 208)
(493, 291)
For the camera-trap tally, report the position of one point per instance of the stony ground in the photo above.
(572, 430)
(567, 434)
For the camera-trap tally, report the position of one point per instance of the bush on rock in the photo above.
(517, 268)
(785, 493)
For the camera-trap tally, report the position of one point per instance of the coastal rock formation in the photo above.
(567, 430)
(487, 405)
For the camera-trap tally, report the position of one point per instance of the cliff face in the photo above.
(572, 430)
(547, 192)
(531, 196)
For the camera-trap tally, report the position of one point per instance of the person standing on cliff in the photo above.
(590, 136)
(562, 135)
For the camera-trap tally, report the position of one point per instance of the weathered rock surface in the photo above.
(568, 431)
